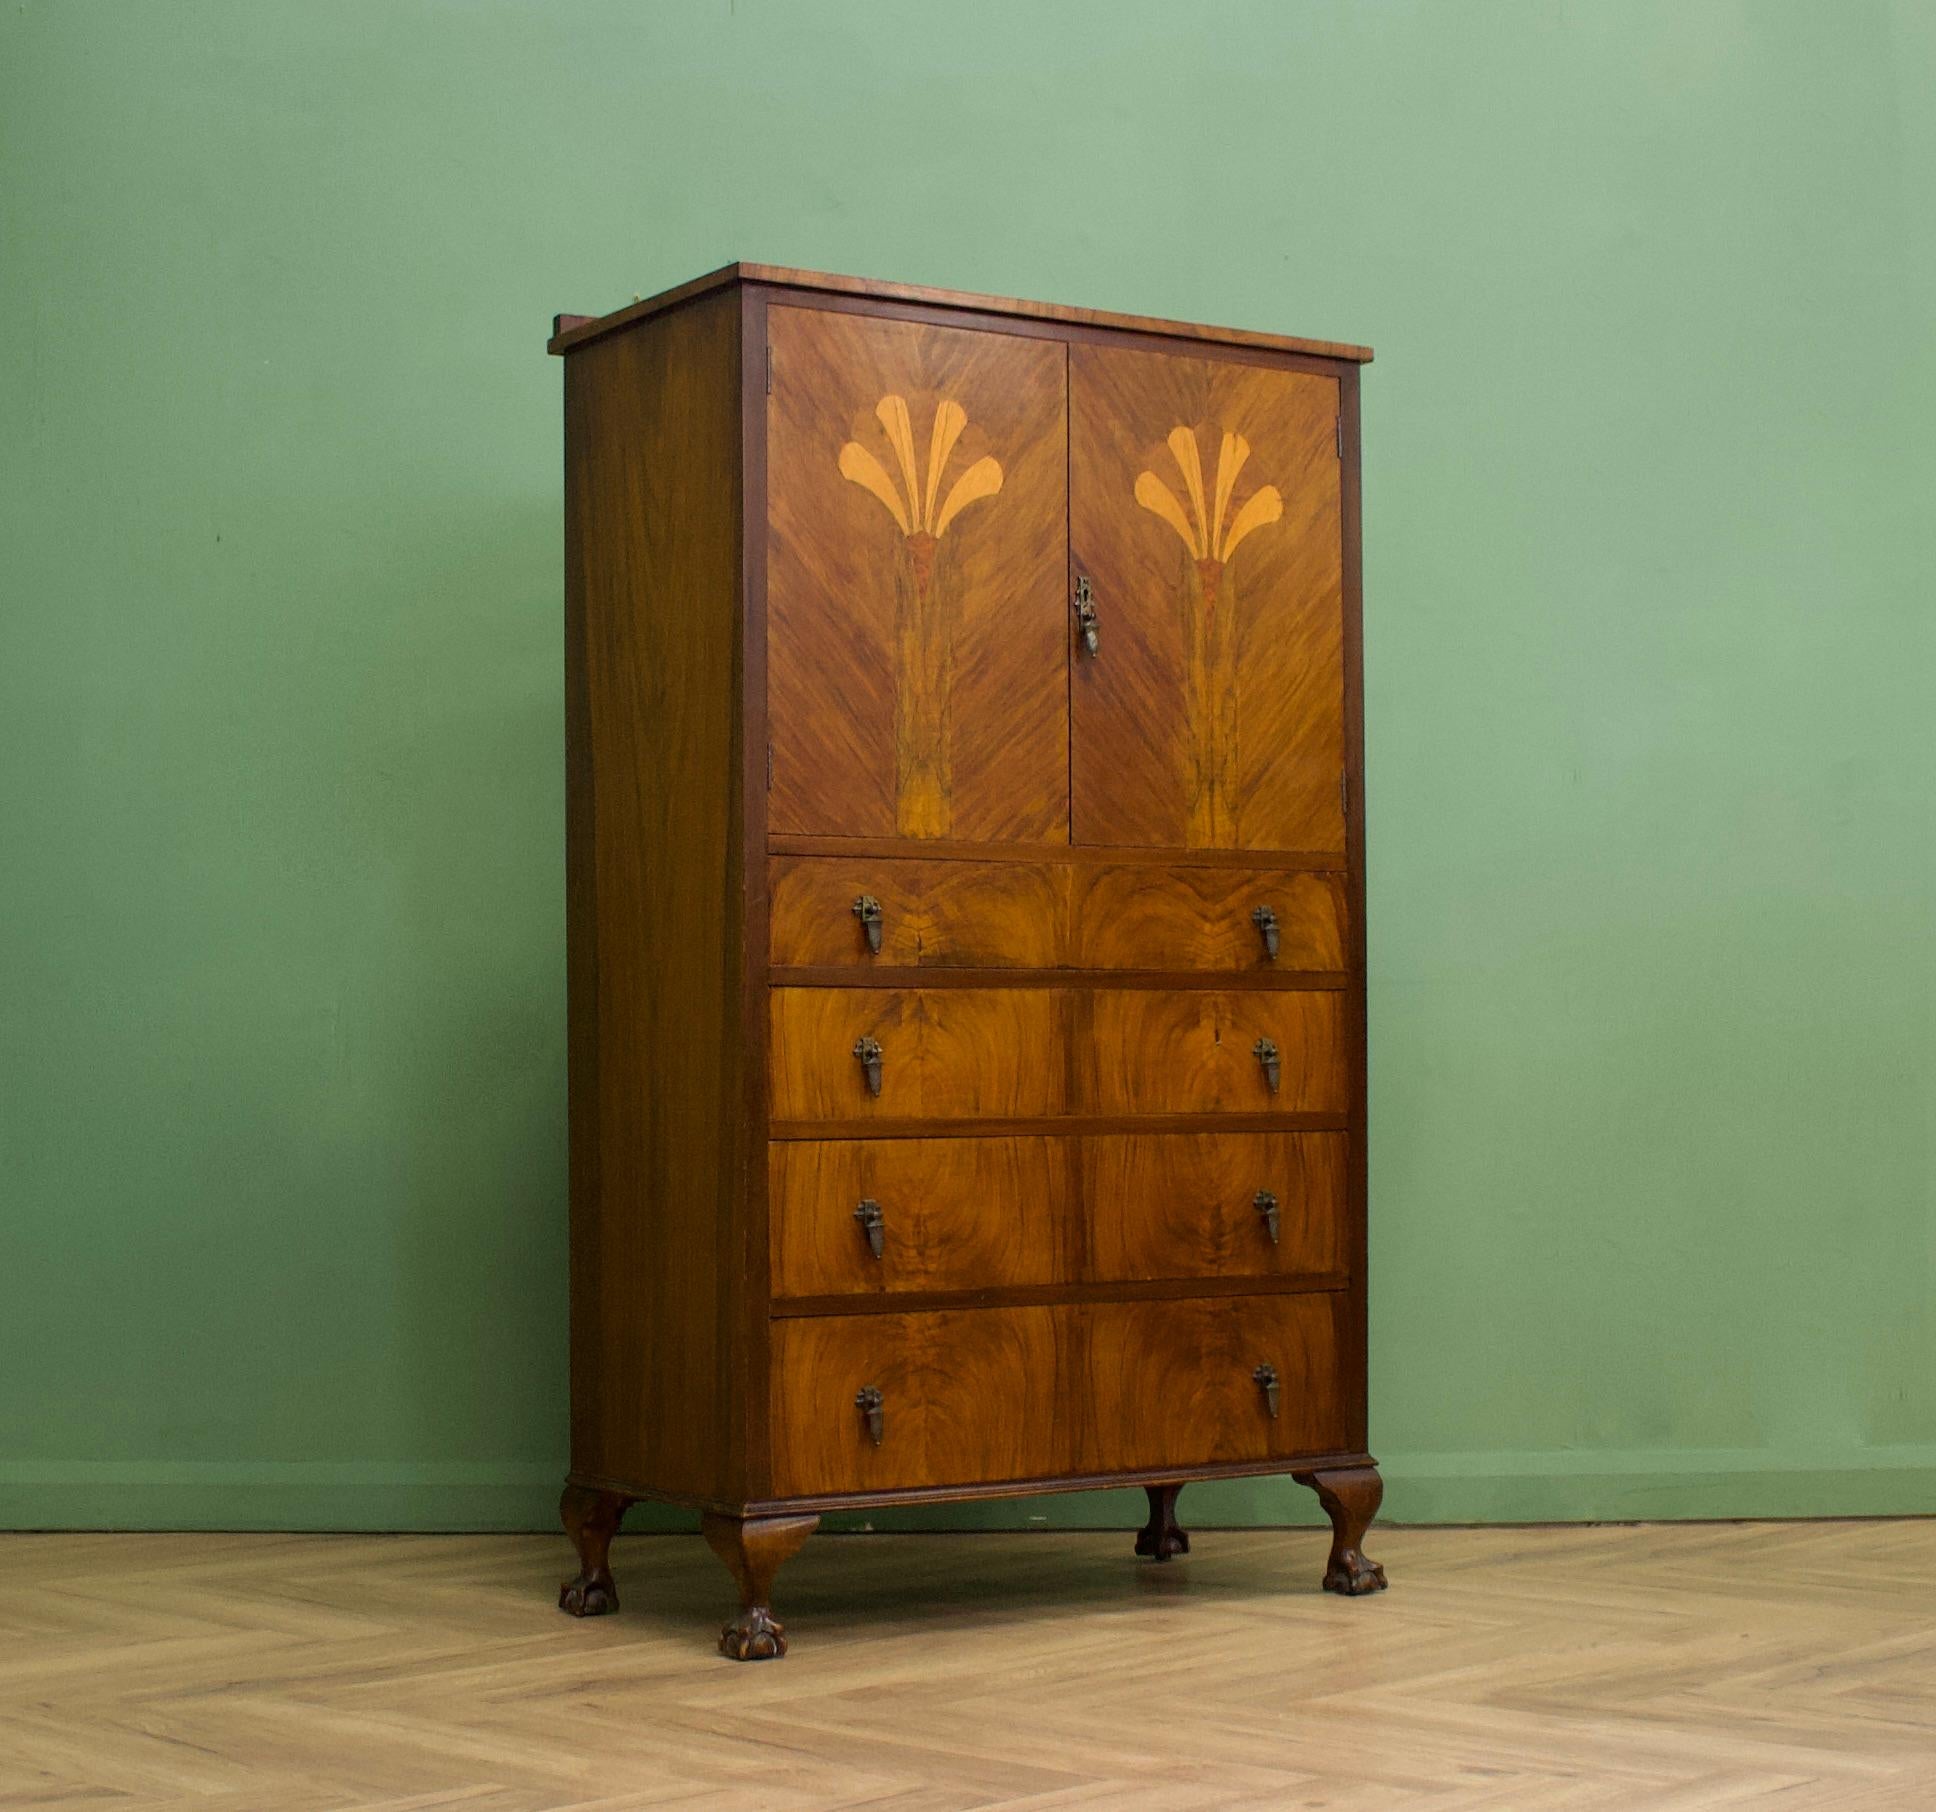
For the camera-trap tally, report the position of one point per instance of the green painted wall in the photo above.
(1650, 483)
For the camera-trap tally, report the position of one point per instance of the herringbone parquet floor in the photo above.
(1785, 1665)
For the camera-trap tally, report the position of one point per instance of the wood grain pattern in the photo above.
(957, 1214)
(1185, 1205)
(954, 914)
(1214, 712)
(946, 1052)
(574, 330)
(1020, 1393)
(1596, 1668)
(948, 914)
(1148, 1051)
(966, 1395)
(652, 637)
(916, 675)
(1006, 1214)
(1131, 917)
(1173, 1384)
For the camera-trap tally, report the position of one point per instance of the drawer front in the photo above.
(965, 1053)
(983, 1214)
(965, 1395)
(1176, 1205)
(1146, 1051)
(1005, 915)
(1175, 1383)
(948, 1214)
(963, 915)
(970, 1396)
(1205, 918)
(945, 1053)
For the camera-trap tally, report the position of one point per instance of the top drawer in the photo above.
(1039, 915)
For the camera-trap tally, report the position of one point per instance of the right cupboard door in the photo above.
(1204, 518)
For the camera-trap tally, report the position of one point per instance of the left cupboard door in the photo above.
(917, 580)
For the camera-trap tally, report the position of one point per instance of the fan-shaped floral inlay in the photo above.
(913, 508)
(1211, 539)
(927, 599)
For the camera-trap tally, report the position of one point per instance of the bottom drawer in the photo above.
(970, 1396)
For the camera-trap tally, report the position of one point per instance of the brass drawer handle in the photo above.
(868, 910)
(1263, 1050)
(1265, 919)
(868, 1401)
(1266, 1205)
(1087, 620)
(873, 1224)
(868, 1052)
(1266, 1376)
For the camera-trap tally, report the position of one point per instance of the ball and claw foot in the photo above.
(588, 1595)
(1161, 1538)
(1353, 1575)
(754, 1635)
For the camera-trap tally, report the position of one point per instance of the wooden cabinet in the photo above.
(965, 909)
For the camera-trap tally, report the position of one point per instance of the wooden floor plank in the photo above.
(1573, 1670)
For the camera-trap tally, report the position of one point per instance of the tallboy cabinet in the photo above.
(965, 896)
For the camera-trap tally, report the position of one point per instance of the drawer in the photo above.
(966, 1395)
(1008, 1213)
(945, 1053)
(954, 1214)
(1151, 1051)
(964, 1053)
(969, 1396)
(1205, 918)
(1175, 1383)
(1045, 915)
(964, 915)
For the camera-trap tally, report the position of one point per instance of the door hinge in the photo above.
(769, 767)
(1344, 792)
(769, 371)
(1340, 421)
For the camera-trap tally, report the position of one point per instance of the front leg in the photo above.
(1350, 1497)
(1162, 1538)
(591, 1518)
(753, 1548)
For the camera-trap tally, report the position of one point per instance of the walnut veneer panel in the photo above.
(966, 1395)
(1148, 1051)
(652, 543)
(961, 1214)
(962, 914)
(1205, 511)
(916, 572)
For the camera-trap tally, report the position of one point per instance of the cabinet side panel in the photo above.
(655, 895)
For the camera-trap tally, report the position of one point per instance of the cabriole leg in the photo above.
(1350, 1497)
(754, 1548)
(591, 1518)
(1161, 1538)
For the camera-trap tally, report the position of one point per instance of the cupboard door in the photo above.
(1205, 516)
(917, 575)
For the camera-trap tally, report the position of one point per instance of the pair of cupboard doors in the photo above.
(1025, 589)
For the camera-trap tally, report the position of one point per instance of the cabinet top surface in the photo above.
(570, 331)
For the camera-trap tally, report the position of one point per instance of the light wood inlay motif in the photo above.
(917, 562)
(1213, 715)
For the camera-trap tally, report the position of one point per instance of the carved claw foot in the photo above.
(753, 1548)
(587, 1596)
(1161, 1538)
(1350, 1497)
(591, 1519)
(1353, 1575)
(753, 1635)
